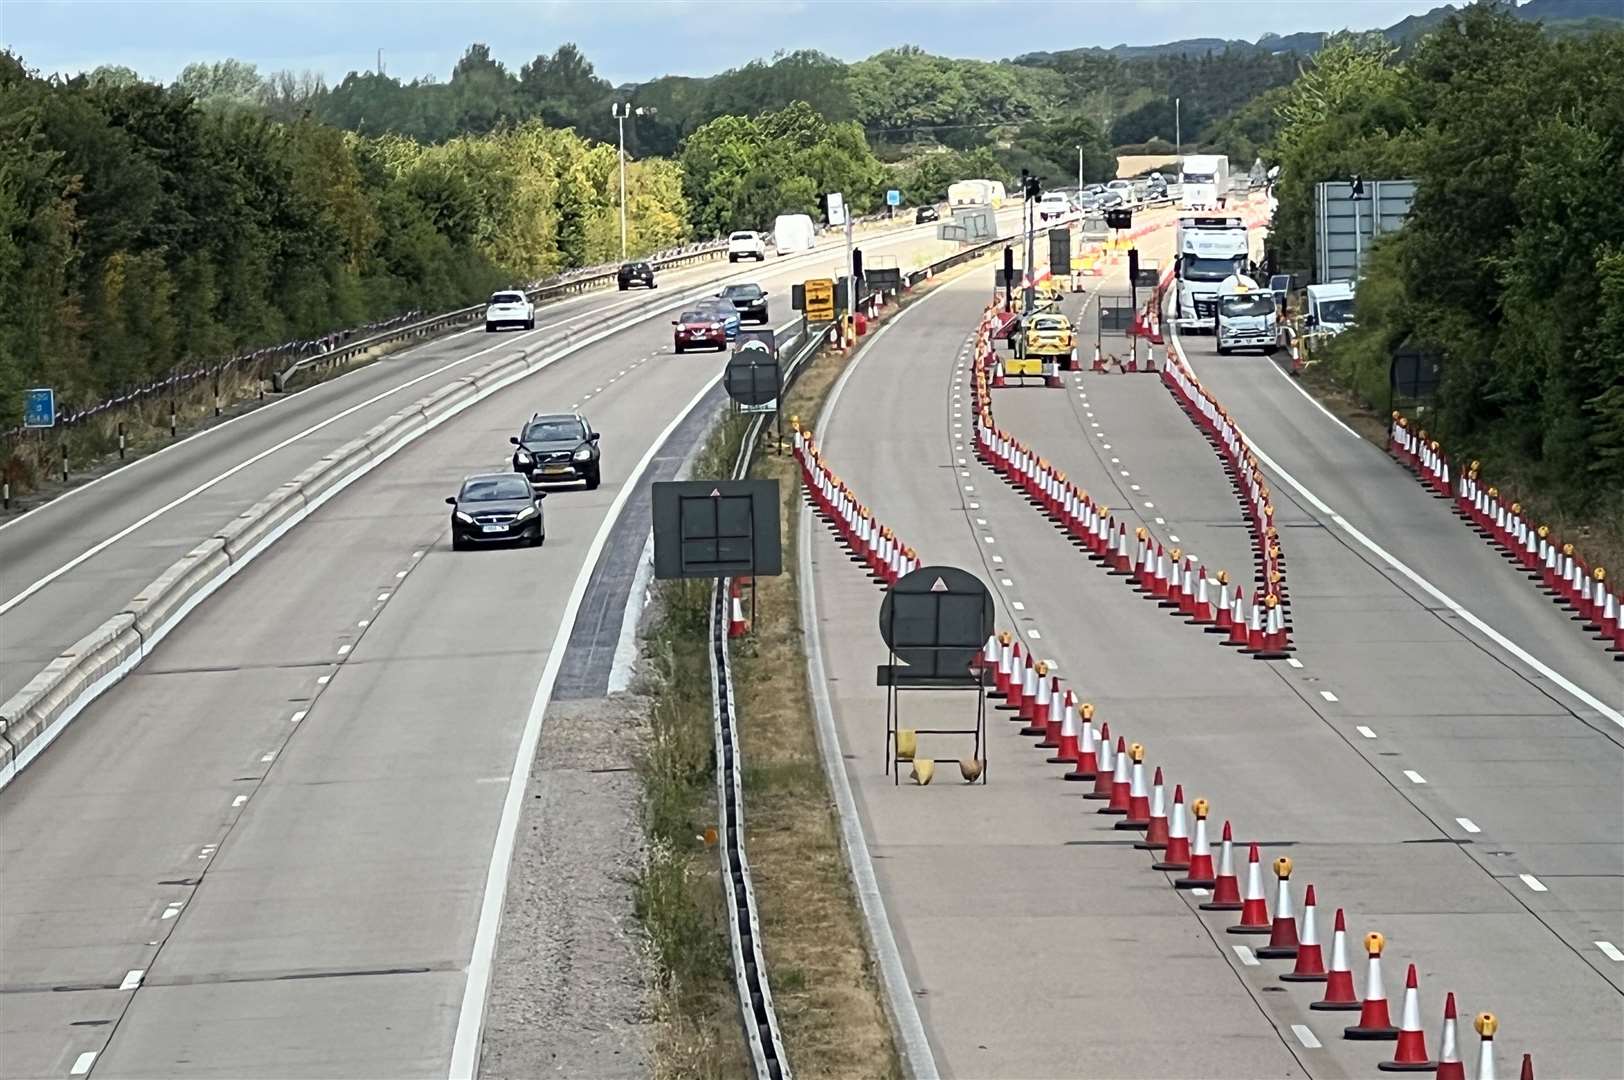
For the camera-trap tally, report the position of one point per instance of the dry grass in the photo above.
(1131, 165)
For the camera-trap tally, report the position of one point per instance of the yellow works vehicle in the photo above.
(1049, 335)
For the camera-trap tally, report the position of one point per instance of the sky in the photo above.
(627, 40)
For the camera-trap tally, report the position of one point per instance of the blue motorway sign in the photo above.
(893, 197)
(39, 409)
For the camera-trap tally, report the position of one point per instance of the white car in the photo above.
(746, 245)
(1123, 188)
(509, 309)
(1054, 204)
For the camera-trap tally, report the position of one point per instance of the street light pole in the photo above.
(1178, 131)
(620, 112)
(1079, 170)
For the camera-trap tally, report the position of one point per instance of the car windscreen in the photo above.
(718, 309)
(1248, 305)
(507, 298)
(554, 431)
(696, 317)
(492, 488)
(1048, 325)
(1194, 269)
(742, 292)
(1336, 311)
(743, 236)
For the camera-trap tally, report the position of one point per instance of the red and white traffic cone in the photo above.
(1374, 1021)
(1156, 831)
(1138, 816)
(737, 626)
(1035, 708)
(1310, 965)
(1200, 875)
(1066, 748)
(1105, 763)
(1339, 995)
(1486, 1026)
(1226, 889)
(987, 659)
(1177, 854)
(1088, 753)
(1099, 362)
(1254, 905)
(1450, 1066)
(1527, 1072)
(1004, 679)
(1121, 785)
(1054, 718)
(1410, 1055)
(1283, 930)
(1237, 622)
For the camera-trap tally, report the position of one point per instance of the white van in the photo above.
(793, 233)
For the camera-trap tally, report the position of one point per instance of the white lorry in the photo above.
(792, 233)
(1209, 249)
(1330, 308)
(1246, 316)
(1206, 181)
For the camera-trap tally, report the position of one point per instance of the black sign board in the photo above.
(716, 529)
(1119, 219)
(935, 620)
(1415, 372)
(763, 334)
(883, 279)
(1116, 313)
(752, 377)
(1060, 251)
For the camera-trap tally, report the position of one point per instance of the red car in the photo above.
(699, 329)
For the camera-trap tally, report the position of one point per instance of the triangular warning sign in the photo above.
(939, 586)
(716, 493)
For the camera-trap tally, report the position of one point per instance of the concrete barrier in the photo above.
(177, 590)
(261, 521)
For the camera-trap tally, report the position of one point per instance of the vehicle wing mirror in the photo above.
(514, 439)
(1310, 319)
(540, 495)
(594, 436)
(675, 322)
(451, 500)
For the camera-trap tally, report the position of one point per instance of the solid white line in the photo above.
(1468, 824)
(1577, 692)
(476, 989)
(132, 978)
(1414, 777)
(82, 1063)
(1612, 951)
(1246, 955)
(620, 671)
(1310, 399)
(1305, 1036)
(1366, 732)
(1533, 882)
(1328, 696)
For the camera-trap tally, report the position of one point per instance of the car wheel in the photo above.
(530, 324)
(489, 329)
(679, 348)
(594, 478)
(1223, 350)
(457, 543)
(539, 539)
(732, 258)
(651, 285)
(624, 286)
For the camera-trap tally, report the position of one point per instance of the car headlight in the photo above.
(527, 512)
(464, 518)
(522, 456)
(583, 454)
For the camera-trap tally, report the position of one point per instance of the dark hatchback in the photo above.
(750, 300)
(634, 273)
(924, 214)
(558, 449)
(496, 508)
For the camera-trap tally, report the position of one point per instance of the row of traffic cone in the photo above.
(1118, 774)
(865, 539)
(1251, 486)
(1543, 557)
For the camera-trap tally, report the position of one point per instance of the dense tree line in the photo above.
(141, 233)
(1511, 264)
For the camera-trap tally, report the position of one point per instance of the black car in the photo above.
(750, 300)
(496, 508)
(634, 273)
(558, 448)
(924, 214)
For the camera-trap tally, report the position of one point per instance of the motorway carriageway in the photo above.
(69, 563)
(279, 846)
(1433, 785)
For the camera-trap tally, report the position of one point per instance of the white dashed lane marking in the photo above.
(1414, 777)
(1305, 1036)
(1533, 882)
(1328, 696)
(1246, 955)
(1468, 824)
(1611, 951)
(1366, 732)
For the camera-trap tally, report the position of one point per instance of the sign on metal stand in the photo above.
(39, 408)
(935, 622)
(716, 529)
(818, 296)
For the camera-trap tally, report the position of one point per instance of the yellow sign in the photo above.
(819, 302)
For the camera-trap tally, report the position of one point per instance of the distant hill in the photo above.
(1559, 16)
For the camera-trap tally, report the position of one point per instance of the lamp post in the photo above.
(620, 110)
(1079, 170)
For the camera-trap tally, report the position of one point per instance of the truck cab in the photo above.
(1330, 308)
(1210, 249)
(1245, 316)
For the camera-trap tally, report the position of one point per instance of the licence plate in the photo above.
(493, 528)
(555, 470)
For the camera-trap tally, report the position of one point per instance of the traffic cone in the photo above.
(1527, 1072)
(1200, 875)
(1374, 1022)
(1177, 853)
(1310, 965)
(1004, 679)
(1156, 830)
(1226, 889)
(1066, 748)
(1237, 623)
(1254, 905)
(1450, 1066)
(1099, 362)
(1223, 617)
(1120, 784)
(1486, 1026)
(737, 626)
(1410, 1055)
(1035, 703)
(1104, 765)
(1087, 746)
(1054, 718)
(1283, 930)
(1138, 816)
(1339, 995)
(998, 381)
(987, 659)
